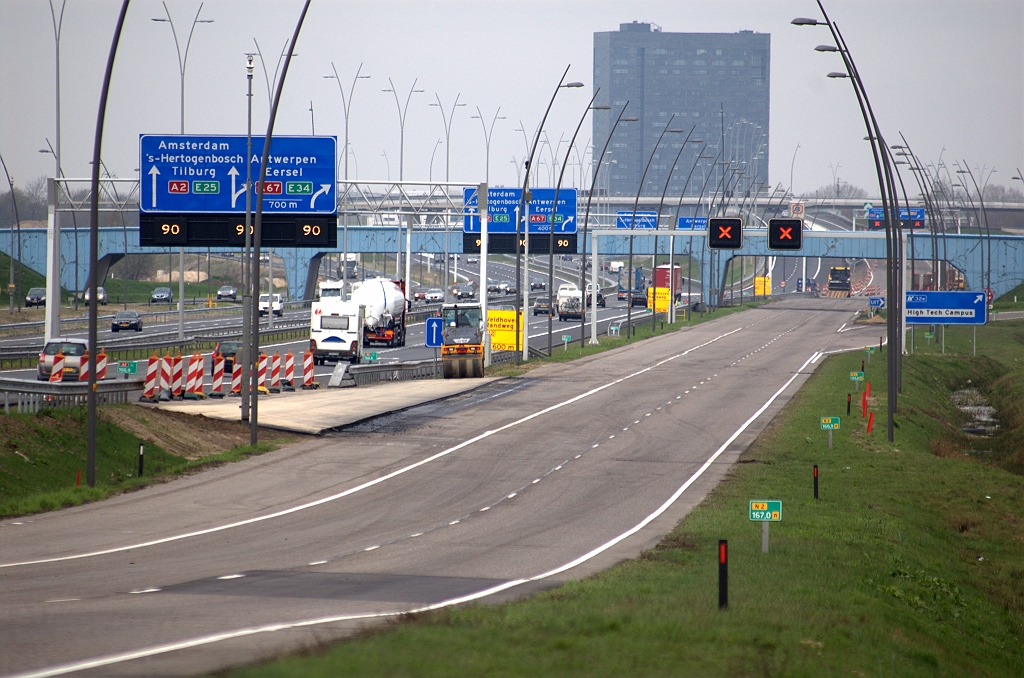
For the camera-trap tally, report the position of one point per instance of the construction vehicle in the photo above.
(462, 347)
(384, 318)
(839, 281)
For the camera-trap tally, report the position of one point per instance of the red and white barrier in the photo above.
(261, 372)
(275, 372)
(177, 365)
(216, 390)
(101, 365)
(57, 368)
(166, 364)
(151, 389)
(236, 378)
(83, 367)
(289, 372)
(194, 379)
(308, 377)
(200, 382)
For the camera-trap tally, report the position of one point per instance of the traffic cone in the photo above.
(57, 368)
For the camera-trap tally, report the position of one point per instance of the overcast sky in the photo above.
(948, 74)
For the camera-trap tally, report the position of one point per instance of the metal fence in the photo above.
(28, 396)
(406, 371)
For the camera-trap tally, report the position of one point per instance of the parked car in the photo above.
(538, 285)
(434, 295)
(227, 292)
(162, 295)
(126, 320)
(73, 350)
(101, 296)
(265, 305)
(542, 306)
(228, 349)
(35, 297)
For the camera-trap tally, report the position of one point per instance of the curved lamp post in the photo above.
(12, 287)
(586, 224)
(488, 132)
(521, 217)
(886, 188)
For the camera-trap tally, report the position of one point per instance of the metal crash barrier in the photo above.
(30, 396)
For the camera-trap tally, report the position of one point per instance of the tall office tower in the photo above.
(715, 83)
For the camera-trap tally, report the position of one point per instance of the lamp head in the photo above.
(837, 74)
(803, 21)
(573, 84)
(630, 119)
(826, 48)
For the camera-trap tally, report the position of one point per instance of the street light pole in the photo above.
(182, 64)
(586, 224)
(12, 288)
(521, 214)
(247, 291)
(402, 111)
(488, 132)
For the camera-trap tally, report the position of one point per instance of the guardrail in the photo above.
(29, 396)
(406, 371)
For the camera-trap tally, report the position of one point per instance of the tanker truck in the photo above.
(334, 331)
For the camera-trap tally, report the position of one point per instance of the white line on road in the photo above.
(370, 483)
(270, 628)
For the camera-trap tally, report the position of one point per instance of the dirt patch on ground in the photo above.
(185, 435)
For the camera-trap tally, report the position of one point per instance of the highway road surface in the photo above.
(514, 487)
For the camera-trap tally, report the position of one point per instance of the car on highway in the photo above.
(161, 295)
(493, 285)
(511, 288)
(600, 296)
(228, 349)
(638, 298)
(542, 306)
(264, 306)
(464, 292)
(434, 295)
(126, 320)
(538, 285)
(227, 292)
(101, 296)
(73, 351)
(472, 260)
(419, 295)
(35, 297)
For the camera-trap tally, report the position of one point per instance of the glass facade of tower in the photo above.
(711, 86)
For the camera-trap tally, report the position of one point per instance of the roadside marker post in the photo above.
(142, 452)
(849, 399)
(723, 574)
(857, 377)
(830, 424)
(815, 482)
(566, 338)
(766, 511)
(864, 405)
(871, 422)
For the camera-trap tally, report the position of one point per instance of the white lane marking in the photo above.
(154, 650)
(318, 562)
(232, 576)
(535, 481)
(150, 590)
(375, 481)
(62, 600)
(486, 508)
(454, 522)
(372, 548)
(511, 495)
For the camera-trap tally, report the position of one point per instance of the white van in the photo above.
(265, 305)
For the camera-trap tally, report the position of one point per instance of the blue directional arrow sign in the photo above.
(435, 329)
(913, 213)
(503, 206)
(644, 219)
(693, 224)
(206, 174)
(876, 302)
(946, 308)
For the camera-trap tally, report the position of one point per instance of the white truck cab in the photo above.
(334, 328)
(266, 306)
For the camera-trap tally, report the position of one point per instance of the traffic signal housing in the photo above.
(785, 234)
(725, 233)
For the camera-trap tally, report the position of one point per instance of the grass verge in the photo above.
(41, 456)
(910, 564)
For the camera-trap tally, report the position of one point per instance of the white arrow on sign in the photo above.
(566, 222)
(978, 299)
(153, 171)
(324, 188)
(234, 194)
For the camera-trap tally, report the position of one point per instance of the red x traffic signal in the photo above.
(785, 234)
(725, 234)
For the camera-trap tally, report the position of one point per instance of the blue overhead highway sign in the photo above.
(693, 224)
(503, 207)
(945, 308)
(193, 174)
(644, 219)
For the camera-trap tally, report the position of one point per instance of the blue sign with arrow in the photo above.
(435, 332)
(913, 213)
(188, 174)
(876, 302)
(503, 209)
(693, 224)
(946, 308)
(643, 219)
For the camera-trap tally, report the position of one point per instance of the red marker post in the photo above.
(815, 481)
(723, 574)
(849, 399)
(871, 422)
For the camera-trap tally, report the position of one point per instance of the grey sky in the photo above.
(948, 74)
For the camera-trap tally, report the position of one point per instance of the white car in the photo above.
(265, 305)
(434, 295)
